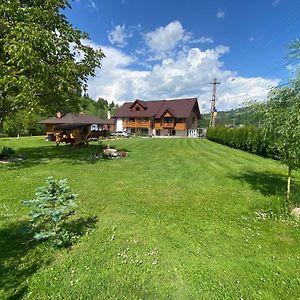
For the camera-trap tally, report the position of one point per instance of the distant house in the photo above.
(75, 128)
(159, 118)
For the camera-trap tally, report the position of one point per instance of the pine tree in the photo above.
(53, 205)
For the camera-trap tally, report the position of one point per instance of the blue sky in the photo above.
(173, 49)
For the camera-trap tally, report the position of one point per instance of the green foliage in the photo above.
(281, 127)
(248, 138)
(44, 63)
(98, 108)
(53, 205)
(7, 152)
(294, 54)
(23, 124)
(248, 116)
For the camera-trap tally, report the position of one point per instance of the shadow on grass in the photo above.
(266, 183)
(19, 259)
(270, 184)
(67, 153)
(21, 256)
(81, 226)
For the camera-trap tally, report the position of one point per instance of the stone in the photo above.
(296, 212)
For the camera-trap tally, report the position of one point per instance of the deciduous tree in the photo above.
(44, 61)
(282, 127)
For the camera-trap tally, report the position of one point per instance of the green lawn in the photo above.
(177, 219)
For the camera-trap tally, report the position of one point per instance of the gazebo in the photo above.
(75, 128)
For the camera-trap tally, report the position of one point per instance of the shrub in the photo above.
(53, 205)
(248, 138)
(7, 152)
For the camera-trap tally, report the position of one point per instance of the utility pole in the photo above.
(213, 110)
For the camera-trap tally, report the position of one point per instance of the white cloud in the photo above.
(92, 4)
(166, 38)
(203, 40)
(187, 75)
(275, 2)
(221, 49)
(119, 35)
(293, 69)
(168, 41)
(221, 14)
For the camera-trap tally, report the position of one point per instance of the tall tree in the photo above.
(295, 61)
(282, 127)
(44, 61)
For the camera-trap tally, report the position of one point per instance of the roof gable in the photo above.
(168, 113)
(138, 103)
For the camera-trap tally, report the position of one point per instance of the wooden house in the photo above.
(178, 117)
(75, 128)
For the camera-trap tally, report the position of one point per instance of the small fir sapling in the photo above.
(54, 204)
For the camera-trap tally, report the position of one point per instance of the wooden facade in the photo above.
(76, 128)
(164, 117)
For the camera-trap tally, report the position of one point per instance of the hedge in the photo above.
(248, 139)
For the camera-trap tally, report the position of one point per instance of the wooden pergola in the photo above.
(74, 128)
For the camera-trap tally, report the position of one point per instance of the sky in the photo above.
(168, 49)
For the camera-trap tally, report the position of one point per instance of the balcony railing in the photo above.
(137, 124)
(168, 125)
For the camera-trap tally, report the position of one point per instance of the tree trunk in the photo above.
(2, 111)
(1, 123)
(288, 192)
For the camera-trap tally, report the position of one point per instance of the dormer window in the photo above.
(137, 108)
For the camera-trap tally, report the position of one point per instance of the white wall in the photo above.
(181, 133)
(119, 125)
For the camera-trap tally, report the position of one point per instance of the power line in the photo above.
(278, 32)
(284, 62)
(246, 94)
(279, 67)
(282, 26)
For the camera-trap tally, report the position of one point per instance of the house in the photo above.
(76, 128)
(177, 117)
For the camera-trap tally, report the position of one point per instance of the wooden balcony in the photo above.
(180, 126)
(177, 126)
(168, 125)
(137, 124)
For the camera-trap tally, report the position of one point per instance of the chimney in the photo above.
(58, 114)
(108, 114)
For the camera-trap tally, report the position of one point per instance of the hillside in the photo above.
(239, 116)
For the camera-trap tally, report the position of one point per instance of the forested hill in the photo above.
(239, 116)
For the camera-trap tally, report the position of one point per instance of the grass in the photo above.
(177, 219)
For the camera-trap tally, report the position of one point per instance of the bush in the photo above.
(53, 205)
(7, 152)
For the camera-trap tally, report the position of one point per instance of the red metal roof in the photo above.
(179, 108)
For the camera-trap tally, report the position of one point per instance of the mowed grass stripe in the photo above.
(179, 208)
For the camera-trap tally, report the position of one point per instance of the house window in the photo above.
(137, 108)
(168, 120)
(180, 120)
